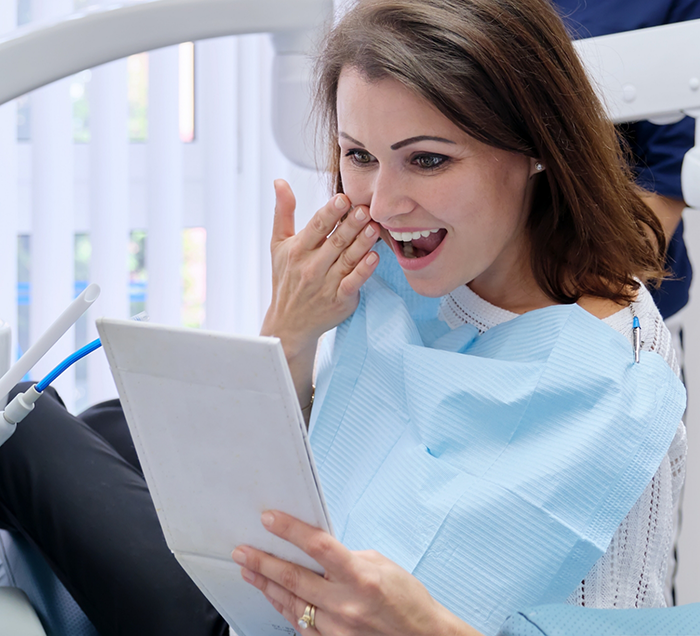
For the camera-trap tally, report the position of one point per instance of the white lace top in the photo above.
(633, 571)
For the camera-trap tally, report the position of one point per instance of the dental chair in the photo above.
(18, 616)
(34, 596)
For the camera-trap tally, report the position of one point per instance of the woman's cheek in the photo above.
(357, 188)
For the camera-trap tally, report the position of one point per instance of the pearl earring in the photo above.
(539, 166)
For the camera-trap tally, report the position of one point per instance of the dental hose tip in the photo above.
(18, 408)
(21, 405)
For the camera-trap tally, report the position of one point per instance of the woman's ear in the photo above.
(536, 166)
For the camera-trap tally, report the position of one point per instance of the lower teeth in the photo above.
(408, 250)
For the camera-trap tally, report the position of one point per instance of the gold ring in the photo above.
(309, 617)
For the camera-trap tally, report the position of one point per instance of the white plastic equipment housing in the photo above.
(650, 73)
(690, 173)
(20, 406)
(292, 123)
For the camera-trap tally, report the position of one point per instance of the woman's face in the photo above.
(452, 208)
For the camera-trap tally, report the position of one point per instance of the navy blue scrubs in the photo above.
(659, 150)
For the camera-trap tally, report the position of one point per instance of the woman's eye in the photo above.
(428, 162)
(360, 157)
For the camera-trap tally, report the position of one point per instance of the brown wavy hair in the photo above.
(506, 72)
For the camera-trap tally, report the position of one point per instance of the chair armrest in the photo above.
(17, 616)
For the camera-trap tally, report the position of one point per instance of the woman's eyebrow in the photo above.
(400, 144)
(349, 138)
(413, 140)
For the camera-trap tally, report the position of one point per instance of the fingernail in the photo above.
(340, 202)
(360, 214)
(372, 258)
(238, 556)
(248, 575)
(370, 231)
(267, 519)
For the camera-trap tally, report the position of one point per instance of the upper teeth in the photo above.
(411, 236)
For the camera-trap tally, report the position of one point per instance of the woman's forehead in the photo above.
(389, 112)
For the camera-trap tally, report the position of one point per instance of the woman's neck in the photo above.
(519, 293)
(520, 300)
(511, 285)
(513, 289)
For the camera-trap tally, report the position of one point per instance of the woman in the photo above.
(477, 422)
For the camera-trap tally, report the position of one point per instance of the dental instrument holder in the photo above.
(24, 403)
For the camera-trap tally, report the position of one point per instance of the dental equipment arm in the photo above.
(651, 74)
(40, 54)
(23, 403)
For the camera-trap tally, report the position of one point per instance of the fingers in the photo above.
(327, 551)
(351, 256)
(324, 222)
(349, 232)
(268, 570)
(350, 285)
(283, 223)
(346, 242)
(286, 603)
(325, 228)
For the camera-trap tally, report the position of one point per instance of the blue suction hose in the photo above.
(67, 363)
(23, 403)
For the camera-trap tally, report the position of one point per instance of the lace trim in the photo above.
(465, 306)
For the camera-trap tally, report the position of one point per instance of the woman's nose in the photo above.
(390, 198)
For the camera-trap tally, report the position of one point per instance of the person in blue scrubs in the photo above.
(659, 150)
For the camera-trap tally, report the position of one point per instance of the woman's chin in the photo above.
(428, 287)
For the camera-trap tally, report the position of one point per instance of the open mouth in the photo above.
(419, 244)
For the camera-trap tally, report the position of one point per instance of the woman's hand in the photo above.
(362, 593)
(317, 273)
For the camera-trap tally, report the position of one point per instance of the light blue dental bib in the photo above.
(495, 468)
